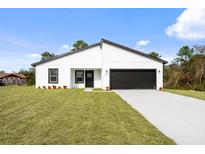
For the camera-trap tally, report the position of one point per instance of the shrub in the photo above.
(200, 88)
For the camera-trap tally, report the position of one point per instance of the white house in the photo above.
(106, 65)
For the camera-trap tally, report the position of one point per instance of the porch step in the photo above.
(88, 89)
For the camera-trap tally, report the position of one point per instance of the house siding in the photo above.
(90, 59)
(117, 58)
(97, 78)
(100, 59)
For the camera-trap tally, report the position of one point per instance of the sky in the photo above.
(26, 33)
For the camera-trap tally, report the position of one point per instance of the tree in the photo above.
(198, 62)
(185, 54)
(188, 69)
(79, 45)
(2, 71)
(197, 68)
(46, 55)
(172, 75)
(30, 76)
(155, 54)
(199, 49)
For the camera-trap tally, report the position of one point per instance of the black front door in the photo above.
(89, 79)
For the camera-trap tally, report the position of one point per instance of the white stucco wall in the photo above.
(97, 59)
(97, 78)
(118, 58)
(90, 58)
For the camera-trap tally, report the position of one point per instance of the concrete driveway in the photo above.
(179, 117)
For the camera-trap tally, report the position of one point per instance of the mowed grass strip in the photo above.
(190, 93)
(71, 116)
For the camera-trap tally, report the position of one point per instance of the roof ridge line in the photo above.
(65, 54)
(100, 43)
(133, 50)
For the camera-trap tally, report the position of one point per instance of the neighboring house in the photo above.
(12, 78)
(106, 65)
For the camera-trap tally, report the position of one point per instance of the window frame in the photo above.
(49, 76)
(83, 76)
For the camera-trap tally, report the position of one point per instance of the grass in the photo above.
(190, 93)
(34, 116)
(98, 89)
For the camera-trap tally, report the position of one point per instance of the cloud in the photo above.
(142, 43)
(66, 46)
(190, 25)
(14, 41)
(34, 55)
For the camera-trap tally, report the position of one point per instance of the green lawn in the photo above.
(34, 116)
(190, 93)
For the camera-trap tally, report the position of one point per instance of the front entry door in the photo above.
(89, 78)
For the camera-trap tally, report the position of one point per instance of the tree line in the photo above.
(187, 70)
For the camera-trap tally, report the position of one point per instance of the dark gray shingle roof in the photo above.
(99, 44)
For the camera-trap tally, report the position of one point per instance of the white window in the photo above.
(79, 76)
(52, 75)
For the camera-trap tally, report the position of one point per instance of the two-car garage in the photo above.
(133, 79)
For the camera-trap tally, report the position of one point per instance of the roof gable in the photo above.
(100, 44)
(65, 54)
(133, 51)
(3, 75)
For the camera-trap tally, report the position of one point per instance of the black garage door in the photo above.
(132, 79)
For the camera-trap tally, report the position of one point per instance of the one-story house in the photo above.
(12, 78)
(105, 65)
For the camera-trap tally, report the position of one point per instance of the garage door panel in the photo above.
(133, 79)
